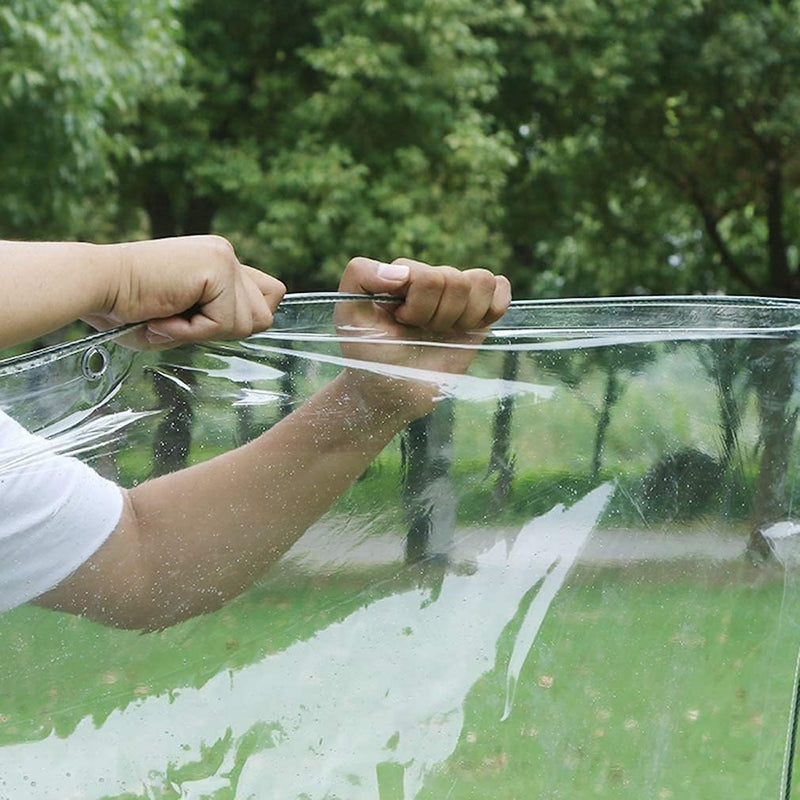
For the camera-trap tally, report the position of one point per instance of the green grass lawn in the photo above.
(639, 686)
(645, 681)
(668, 680)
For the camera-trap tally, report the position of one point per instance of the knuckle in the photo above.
(262, 320)
(430, 279)
(354, 273)
(264, 311)
(222, 249)
(242, 328)
(483, 279)
(218, 242)
(456, 280)
(278, 289)
(358, 262)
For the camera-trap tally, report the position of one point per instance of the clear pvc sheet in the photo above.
(576, 578)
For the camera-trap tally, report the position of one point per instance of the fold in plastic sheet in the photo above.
(577, 577)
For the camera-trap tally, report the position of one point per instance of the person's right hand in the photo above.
(402, 354)
(187, 289)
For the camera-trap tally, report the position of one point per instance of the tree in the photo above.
(67, 69)
(657, 143)
(617, 364)
(312, 131)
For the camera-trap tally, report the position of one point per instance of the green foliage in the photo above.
(657, 143)
(312, 132)
(581, 147)
(67, 70)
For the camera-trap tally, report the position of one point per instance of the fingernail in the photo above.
(154, 337)
(393, 272)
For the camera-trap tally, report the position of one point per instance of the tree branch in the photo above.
(710, 220)
(711, 224)
(777, 261)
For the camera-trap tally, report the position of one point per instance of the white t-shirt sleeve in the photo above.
(55, 512)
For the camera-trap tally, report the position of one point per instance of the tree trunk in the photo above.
(160, 212)
(610, 397)
(428, 495)
(501, 459)
(780, 278)
(167, 217)
(199, 216)
(774, 370)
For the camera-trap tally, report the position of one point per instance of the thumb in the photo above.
(365, 275)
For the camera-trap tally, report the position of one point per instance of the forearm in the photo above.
(191, 540)
(46, 285)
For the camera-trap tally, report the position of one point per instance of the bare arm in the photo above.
(191, 540)
(45, 285)
(48, 285)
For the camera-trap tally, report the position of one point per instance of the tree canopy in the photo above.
(659, 143)
(69, 73)
(581, 147)
(313, 131)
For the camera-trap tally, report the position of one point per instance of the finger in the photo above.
(198, 328)
(271, 288)
(425, 288)
(453, 300)
(368, 276)
(261, 313)
(218, 318)
(482, 289)
(243, 317)
(234, 314)
(501, 299)
(216, 314)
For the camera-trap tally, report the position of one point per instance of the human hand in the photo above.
(187, 289)
(409, 344)
(442, 299)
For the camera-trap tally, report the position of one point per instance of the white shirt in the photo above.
(55, 512)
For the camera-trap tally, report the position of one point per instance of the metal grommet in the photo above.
(94, 363)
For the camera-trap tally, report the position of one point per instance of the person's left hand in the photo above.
(187, 289)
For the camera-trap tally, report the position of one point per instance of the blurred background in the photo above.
(580, 147)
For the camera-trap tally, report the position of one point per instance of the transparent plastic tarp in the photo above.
(577, 577)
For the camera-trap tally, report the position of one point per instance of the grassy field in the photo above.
(641, 686)
(645, 681)
(659, 680)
